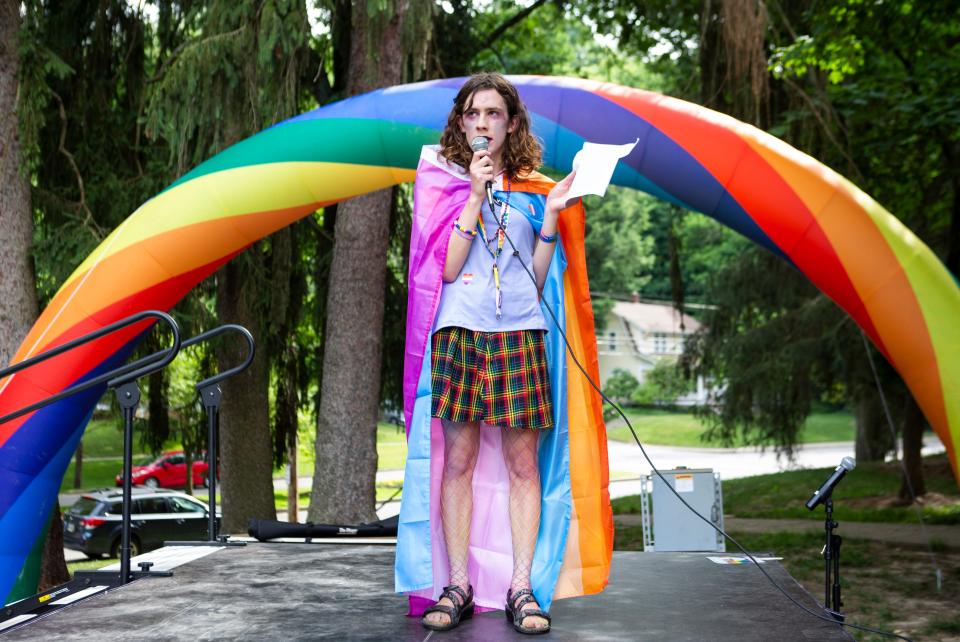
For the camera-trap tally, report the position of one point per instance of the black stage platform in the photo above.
(287, 591)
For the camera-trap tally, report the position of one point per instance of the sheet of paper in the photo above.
(594, 165)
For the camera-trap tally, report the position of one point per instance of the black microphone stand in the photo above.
(831, 559)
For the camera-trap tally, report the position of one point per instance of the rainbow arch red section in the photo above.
(856, 252)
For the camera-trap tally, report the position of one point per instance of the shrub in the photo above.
(663, 384)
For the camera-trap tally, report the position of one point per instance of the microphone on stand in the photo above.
(477, 144)
(822, 493)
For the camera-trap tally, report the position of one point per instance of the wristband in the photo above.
(548, 239)
(467, 234)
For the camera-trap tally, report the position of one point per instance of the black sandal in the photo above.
(456, 613)
(516, 614)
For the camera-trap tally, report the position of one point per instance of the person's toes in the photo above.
(535, 620)
(440, 619)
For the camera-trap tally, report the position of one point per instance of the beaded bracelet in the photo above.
(548, 239)
(467, 234)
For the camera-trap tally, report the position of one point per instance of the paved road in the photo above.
(731, 463)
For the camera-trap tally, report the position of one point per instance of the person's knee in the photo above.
(457, 465)
(460, 461)
(523, 469)
(460, 453)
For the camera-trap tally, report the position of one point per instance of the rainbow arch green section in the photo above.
(349, 141)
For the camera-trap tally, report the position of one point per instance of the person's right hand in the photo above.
(481, 171)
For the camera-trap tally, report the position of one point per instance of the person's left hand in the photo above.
(557, 198)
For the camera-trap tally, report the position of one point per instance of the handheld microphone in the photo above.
(477, 144)
(821, 494)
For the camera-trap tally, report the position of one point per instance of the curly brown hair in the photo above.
(522, 153)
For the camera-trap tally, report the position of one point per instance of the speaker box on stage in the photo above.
(668, 525)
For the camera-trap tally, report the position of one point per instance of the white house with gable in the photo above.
(638, 334)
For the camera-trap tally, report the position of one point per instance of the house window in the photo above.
(659, 342)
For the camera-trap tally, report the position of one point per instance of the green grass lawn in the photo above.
(103, 450)
(104, 438)
(391, 447)
(385, 491)
(97, 473)
(675, 428)
(103, 455)
(864, 495)
(89, 565)
(103, 443)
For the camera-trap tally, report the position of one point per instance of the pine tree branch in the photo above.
(825, 126)
(88, 221)
(183, 46)
(509, 22)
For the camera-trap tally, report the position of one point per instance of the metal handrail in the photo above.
(200, 338)
(114, 377)
(226, 374)
(210, 397)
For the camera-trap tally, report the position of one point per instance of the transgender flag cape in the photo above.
(575, 540)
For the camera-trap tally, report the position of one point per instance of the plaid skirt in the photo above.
(496, 377)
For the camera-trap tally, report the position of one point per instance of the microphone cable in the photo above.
(553, 317)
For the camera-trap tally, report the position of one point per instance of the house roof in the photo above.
(654, 317)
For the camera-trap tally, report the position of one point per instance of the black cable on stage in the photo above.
(553, 317)
(938, 574)
(389, 499)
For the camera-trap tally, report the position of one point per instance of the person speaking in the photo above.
(484, 237)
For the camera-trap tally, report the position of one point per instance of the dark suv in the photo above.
(92, 524)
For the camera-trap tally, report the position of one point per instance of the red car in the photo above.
(169, 470)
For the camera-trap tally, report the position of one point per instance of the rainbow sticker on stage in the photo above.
(740, 561)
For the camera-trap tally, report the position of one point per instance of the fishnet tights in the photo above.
(520, 456)
(461, 443)
(461, 446)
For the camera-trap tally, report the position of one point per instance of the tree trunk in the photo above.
(18, 296)
(287, 292)
(873, 434)
(951, 151)
(158, 405)
(246, 459)
(346, 450)
(53, 566)
(78, 466)
(293, 484)
(188, 462)
(286, 421)
(913, 425)
(344, 484)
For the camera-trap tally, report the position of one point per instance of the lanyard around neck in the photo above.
(501, 236)
(501, 224)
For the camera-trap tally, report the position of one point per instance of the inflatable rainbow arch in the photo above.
(852, 249)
